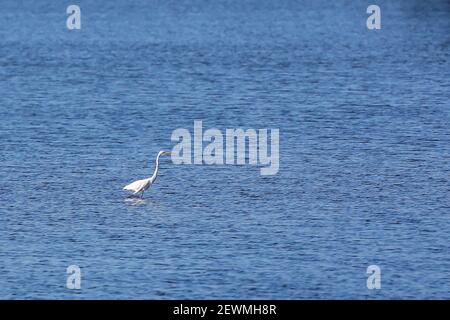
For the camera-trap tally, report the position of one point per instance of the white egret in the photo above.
(142, 185)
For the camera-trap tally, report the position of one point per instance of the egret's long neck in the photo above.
(156, 167)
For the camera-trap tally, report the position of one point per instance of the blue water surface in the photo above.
(364, 173)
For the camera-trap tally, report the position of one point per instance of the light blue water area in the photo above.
(364, 149)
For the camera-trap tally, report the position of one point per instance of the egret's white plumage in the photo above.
(142, 185)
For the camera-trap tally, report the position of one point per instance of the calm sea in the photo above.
(364, 120)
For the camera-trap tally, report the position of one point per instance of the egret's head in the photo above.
(164, 153)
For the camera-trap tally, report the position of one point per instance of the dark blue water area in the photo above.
(364, 171)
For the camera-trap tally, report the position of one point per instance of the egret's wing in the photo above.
(135, 186)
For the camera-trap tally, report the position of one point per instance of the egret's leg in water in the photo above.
(142, 194)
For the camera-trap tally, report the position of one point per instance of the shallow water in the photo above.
(364, 149)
